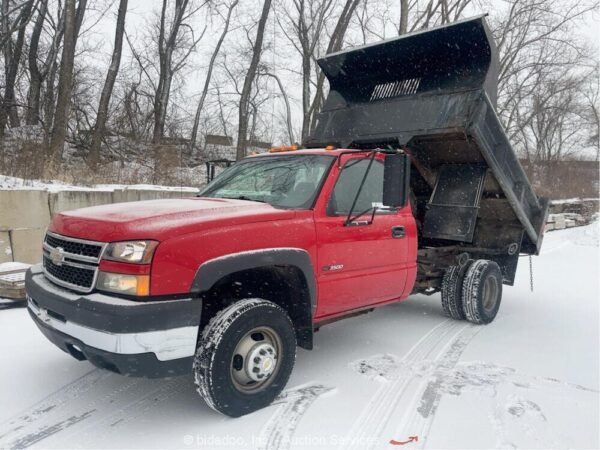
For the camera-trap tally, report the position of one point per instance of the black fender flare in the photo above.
(210, 272)
(213, 270)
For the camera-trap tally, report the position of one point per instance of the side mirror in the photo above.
(396, 180)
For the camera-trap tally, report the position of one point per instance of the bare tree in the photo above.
(539, 74)
(288, 111)
(169, 40)
(211, 64)
(335, 44)
(249, 80)
(113, 70)
(32, 115)
(591, 108)
(65, 85)
(306, 22)
(554, 131)
(12, 59)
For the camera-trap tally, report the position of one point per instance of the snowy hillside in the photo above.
(529, 380)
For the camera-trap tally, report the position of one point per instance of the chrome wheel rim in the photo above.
(490, 294)
(255, 360)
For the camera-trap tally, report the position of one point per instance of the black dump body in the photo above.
(433, 94)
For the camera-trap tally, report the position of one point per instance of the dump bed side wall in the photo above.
(493, 143)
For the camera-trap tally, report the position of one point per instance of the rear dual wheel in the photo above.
(473, 291)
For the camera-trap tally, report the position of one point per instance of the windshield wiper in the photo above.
(243, 197)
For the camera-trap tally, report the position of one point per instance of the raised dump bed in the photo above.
(433, 94)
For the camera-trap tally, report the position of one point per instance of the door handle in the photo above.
(398, 232)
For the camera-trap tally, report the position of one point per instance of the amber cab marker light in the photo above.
(284, 148)
(330, 148)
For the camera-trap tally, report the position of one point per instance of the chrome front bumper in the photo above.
(150, 338)
(165, 344)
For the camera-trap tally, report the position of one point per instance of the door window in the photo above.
(348, 183)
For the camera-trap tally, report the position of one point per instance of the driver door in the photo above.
(366, 263)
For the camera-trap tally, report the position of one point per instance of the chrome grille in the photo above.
(71, 262)
(74, 247)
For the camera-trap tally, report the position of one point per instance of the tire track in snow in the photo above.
(421, 411)
(88, 406)
(369, 427)
(37, 414)
(107, 420)
(33, 438)
(292, 405)
(444, 374)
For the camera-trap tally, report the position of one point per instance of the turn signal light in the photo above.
(124, 284)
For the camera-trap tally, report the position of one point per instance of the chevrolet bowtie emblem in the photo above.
(57, 256)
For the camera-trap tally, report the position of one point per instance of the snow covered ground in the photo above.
(529, 380)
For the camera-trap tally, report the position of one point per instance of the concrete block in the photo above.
(5, 247)
(27, 245)
(559, 222)
(125, 195)
(160, 194)
(23, 209)
(133, 195)
(68, 200)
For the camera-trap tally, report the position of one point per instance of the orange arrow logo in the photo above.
(410, 439)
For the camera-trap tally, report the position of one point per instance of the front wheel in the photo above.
(245, 357)
(482, 291)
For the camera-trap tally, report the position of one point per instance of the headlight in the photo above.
(138, 252)
(124, 284)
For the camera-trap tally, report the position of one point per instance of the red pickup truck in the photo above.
(227, 284)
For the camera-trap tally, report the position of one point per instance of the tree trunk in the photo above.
(65, 85)
(403, 28)
(306, 96)
(12, 60)
(249, 80)
(111, 76)
(166, 45)
(32, 117)
(209, 75)
(48, 72)
(288, 110)
(49, 99)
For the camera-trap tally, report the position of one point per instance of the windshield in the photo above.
(285, 181)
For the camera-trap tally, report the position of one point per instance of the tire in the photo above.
(452, 287)
(482, 291)
(250, 338)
